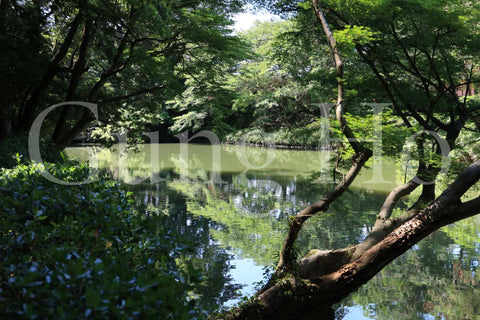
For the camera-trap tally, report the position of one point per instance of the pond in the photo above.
(233, 203)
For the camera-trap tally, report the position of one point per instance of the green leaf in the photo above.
(92, 298)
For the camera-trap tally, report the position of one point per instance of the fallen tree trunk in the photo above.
(294, 295)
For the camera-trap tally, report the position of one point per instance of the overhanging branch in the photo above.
(133, 94)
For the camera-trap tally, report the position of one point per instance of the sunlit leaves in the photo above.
(355, 34)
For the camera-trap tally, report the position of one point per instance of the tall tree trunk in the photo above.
(77, 72)
(64, 138)
(27, 115)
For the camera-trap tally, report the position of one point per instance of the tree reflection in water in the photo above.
(245, 216)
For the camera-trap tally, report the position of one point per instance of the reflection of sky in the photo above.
(355, 313)
(246, 272)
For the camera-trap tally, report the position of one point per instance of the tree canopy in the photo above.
(129, 57)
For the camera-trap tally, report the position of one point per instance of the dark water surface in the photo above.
(233, 203)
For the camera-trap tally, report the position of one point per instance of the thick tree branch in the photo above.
(326, 290)
(332, 288)
(445, 210)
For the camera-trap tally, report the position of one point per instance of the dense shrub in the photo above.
(14, 150)
(70, 252)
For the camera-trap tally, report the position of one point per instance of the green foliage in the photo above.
(368, 127)
(129, 57)
(465, 233)
(70, 252)
(203, 106)
(14, 151)
(467, 149)
(413, 40)
(287, 74)
(131, 123)
(355, 34)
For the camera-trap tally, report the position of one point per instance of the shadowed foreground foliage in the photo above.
(69, 252)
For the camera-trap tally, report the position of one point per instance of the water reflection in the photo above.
(234, 212)
(436, 280)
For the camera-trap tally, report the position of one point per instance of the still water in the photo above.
(233, 202)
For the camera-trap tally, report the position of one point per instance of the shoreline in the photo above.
(256, 145)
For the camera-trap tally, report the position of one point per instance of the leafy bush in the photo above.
(14, 150)
(82, 252)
